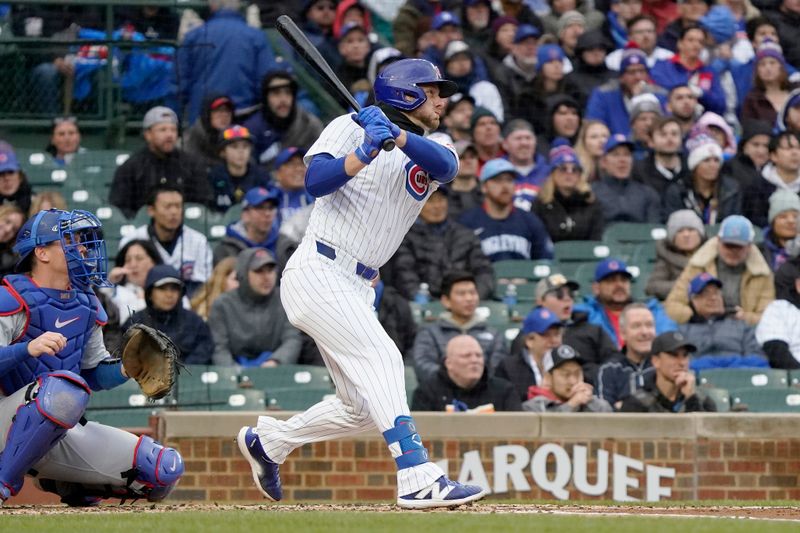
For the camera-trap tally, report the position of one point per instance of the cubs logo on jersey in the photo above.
(417, 181)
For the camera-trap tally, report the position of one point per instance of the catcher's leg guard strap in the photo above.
(55, 404)
(405, 433)
(158, 469)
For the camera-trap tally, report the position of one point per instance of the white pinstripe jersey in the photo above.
(369, 216)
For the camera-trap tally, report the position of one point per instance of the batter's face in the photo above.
(429, 114)
(262, 281)
(167, 210)
(463, 300)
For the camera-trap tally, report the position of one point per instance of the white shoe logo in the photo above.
(60, 324)
(435, 492)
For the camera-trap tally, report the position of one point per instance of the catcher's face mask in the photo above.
(84, 248)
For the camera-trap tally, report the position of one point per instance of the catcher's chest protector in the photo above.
(71, 313)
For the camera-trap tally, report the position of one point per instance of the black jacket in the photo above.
(439, 391)
(186, 329)
(144, 171)
(645, 171)
(586, 77)
(394, 314)
(743, 170)
(649, 399)
(756, 208)
(460, 201)
(787, 23)
(516, 370)
(571, 218)
(429, 251)
(680, 195)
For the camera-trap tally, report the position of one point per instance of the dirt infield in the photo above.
(718, 511)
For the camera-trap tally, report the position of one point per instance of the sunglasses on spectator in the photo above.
(569, 169)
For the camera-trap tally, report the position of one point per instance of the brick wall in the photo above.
(730, 465)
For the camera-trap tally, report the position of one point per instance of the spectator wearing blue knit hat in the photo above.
(550, 81)
(771, 77)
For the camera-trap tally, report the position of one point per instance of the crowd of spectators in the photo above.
(572, 116)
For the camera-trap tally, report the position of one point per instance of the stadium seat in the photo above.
(721, 397)
(287, 377)
(766, 400)
(519, 270)
(526, 292)
(296, 399)
(194, 386)
(644, 253)
(518, 312)
(126, 395)
(426, 313)
(581, 251)
(233, 214)
(495, 313)
(630, 232)
(737, 378)
(794, 378)
(238, 400)
(115, 225)
(121, 418)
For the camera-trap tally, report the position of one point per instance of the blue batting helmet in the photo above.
(81, 239)
(399, 84)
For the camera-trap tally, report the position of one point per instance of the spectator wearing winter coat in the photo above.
(789, 115)
(673, 390)
(202, 140)
(751, 154)
(778, 332)
(553, 21)
(685, 234)
(317, 18)
(705, 191)
(354, 49)
(589, 68)
(519, 143)
(249, 325)
(787, 19)
(237, 173)
(434, 246)
(780, 235)
(460, 298)
(468, 71)
(664, 165)
(464, 192)
(280, 122)
(611, 102)
(611, 294)
(542, 330)
(506, 232)
(562, 119)
(686, 68)
(224, 56)
(412, 21)
(732, 258)
(564, 389)
(710, 328)
(165, 312)
(642, 32)
(623, 199)
(645, 111)
(463, 382)
(486, 138)
(289, 172)
(476, 17)
(557, 294)
(394, 314)
(550, 81)
(514, 75)
(771, 85)
(565, 203)
(782, 172)
(689, 14)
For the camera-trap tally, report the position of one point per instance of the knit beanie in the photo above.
(477, 114)
(561, 152)
(632, 55)
(684, 218)
(701, 148)
(770, 48)
(547, 53)
(569, 18)
(720, 23)
(780, 201)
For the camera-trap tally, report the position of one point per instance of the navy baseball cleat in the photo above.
(441, 493)
(265, 471)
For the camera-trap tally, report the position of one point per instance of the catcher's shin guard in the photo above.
(55, 403)
(158, 469)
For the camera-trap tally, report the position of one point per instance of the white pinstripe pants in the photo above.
(334, 306)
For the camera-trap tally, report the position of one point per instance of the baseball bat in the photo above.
(303, 46)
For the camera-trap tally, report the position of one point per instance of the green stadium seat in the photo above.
(495, 313)
(526, 292)
(515, 270)
(737, 378)
(197, 385)
(238, 400)
(765, 400)
(511, 333)
(581, 251)
(630, 232)
(644, 253)
(426, 313)
(115, 225)
(126, 395)
(287, 377)
(296, 399)
(121, 418)
(794, 378)
(233, 214)
(518, 312)
(721, 397)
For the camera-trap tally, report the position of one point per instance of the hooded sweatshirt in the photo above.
(245, 324)
(202, 140)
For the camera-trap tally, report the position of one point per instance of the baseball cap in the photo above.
(701, 281)
(558, 356)
(610, 266)
(495, 167)
(286, 154)
(644, 103)
(540, 320)
(618, 139)
(463, 145)
(159, 115)
(443, 19)
(351, 26)
(8, 159)
(454, 48)
(554, 282)
(220, 102)
(524, 31)
(259, 258)
(161, 275)
(233, 134)
(259, 195)
(736, 229)
(670, 341)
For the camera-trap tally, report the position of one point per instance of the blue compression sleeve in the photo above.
(325, 174)
(438, 161)
(11, 356)
(106, 375)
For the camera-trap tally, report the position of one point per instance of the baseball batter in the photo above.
(367, 199)
(51, 358)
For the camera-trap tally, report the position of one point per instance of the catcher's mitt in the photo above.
(151, 358)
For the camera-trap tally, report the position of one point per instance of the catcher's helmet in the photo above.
(402, 79)
(81, 239)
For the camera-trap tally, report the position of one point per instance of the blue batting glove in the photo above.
(374, 136)
(374, 115)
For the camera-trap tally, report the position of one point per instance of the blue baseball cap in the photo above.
(258, 195)
(610, 266)
(547, 53)
(443, 19)
(8, 159)
(524, 31)
(701, 281)
(286, 154)
(495, 167)
(736, 229)
(618, 139)
(351, 26)
(540, 320)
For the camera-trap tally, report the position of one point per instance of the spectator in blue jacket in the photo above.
(290, 174)
(506, 232)
(445, 28)
(225, 56)
(612, 292)
(686, 68)
(611, 102)
(519, 143)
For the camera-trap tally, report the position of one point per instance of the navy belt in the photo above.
(362, 270)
